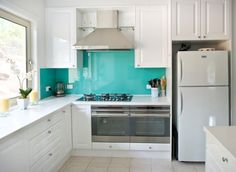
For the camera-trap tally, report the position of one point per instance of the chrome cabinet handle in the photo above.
(204, 36)
(64, 111)
(225, 159)
(49, 120)
(150, 147)
(199, 36)
(50, 154)
(49, 132)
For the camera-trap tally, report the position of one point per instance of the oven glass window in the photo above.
(110, 126)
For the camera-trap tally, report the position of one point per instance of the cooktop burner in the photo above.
(106, 97)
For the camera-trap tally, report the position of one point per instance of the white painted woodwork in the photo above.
(186, 16)
(215, 19)
(14, 154)
(201, 19)
(81, 126)
(60, 38)
(218, 158)
(150, 147)
(151, 36)
(110, 146)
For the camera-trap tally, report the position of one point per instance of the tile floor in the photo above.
(101, 164)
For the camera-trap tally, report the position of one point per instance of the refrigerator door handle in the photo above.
(181, 103)
(181, 70)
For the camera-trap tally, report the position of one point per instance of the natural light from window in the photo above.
(12, 46)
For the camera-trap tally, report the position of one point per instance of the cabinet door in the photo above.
(151, 34)
(186, 20)
(14, 156)
(81, 126)
(60, 37)
(67, 135)
(215, 19)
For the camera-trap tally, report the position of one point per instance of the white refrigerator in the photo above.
(202, 93)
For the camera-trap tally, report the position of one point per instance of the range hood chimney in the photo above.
(106, 36)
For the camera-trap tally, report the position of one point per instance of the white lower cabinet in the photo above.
(218, 158)
(14, 154)
(81, 126)
(42, 147)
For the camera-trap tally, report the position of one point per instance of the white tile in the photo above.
(96, 169)
(101, 160)
(200, 167)
(140, 169)
(118, 169)
(141, 163)
(82, 159)
(71, 168)
(116, 162)
(183, 166)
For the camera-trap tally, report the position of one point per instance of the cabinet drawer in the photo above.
(45, 124)
(221, 156)
(49, 160)
(42, 143)
(149, 147)
(111, 146)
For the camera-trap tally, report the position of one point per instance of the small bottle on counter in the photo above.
(163, 86)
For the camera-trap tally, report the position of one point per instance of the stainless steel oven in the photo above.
(150, 124)
(110, 124)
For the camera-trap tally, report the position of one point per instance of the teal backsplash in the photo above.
(103, 72)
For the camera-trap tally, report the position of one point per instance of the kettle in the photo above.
(60, 89)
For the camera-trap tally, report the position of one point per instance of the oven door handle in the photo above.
(162, 115)
(101, 114)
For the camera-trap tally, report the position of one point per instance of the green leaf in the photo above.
(25, 93)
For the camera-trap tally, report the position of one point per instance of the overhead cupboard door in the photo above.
(197, 68)
(195, 106)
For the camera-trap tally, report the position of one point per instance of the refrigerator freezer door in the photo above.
(195, 106)
(198, 68)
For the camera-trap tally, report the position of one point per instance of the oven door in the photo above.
(150, 128)
(110, 127)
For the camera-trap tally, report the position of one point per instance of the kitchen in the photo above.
(127, 129)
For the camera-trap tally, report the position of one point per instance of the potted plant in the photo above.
(23, 100)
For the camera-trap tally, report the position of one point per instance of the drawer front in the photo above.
(111, 146)
(49, 160)
(44, 142)
(211, 165)
(149, 147)
(45, 124)
(220, 155)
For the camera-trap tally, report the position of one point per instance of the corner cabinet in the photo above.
(152, 36)
(201, 19)
(60, 38)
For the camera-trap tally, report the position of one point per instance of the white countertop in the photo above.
(19, 119)
(225, 135)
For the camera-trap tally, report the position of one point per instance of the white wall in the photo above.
(234, 65)
(32, 10)
(79, 3)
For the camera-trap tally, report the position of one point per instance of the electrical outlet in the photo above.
(148, 86)
(48, 88)
(69, 86)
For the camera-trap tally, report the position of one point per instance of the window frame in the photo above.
(27, 24)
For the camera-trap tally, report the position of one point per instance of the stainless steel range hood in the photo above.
(106, 36)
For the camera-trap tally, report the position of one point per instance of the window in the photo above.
(14, 48)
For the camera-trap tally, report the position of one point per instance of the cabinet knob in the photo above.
(110, 146)
(64, 111)
(225, 159)
(199, 36)
(204, 36)
(49, 120)
(49, 132)
(50, 154)
(149, 147)
(138, 65)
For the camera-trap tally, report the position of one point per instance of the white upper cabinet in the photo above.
(60, 38)
(200, 19)
(152, 36)
(216, 16)
(186, 19)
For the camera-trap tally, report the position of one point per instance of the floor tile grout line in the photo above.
(89, 163)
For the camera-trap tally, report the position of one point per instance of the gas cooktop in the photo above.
(106, 97)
